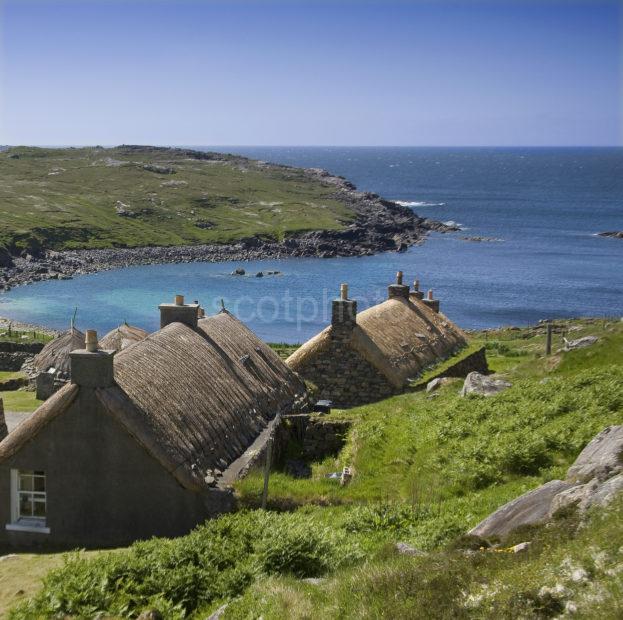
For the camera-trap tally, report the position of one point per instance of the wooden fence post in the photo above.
(548, 340)
(269, 449)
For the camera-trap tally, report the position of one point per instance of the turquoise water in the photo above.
(544, 204)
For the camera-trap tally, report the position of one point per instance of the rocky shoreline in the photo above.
(379, 226)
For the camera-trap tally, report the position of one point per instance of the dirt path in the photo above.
(14, 418)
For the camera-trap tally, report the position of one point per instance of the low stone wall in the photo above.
(10, 385)
(474, 362)
(319, 436)
(14, 354)
(324, 438)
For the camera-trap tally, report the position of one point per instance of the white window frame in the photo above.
(24, 524)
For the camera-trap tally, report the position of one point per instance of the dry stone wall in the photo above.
(14, 354)
(475, 362)
(344, 377)
(324, 438)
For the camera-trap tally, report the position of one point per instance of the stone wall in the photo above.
(14, 354)
(474, 362)
(319, 436)
(344, 377)
(324, 438)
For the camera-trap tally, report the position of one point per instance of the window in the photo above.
(28, 501)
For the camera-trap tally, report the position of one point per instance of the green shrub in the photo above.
(217, 560)
(522, 431)
(383, 517)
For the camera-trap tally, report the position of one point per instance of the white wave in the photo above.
(416, 203)
(457, 224)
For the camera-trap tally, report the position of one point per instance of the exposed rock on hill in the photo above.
(593, 480)
(477, 383)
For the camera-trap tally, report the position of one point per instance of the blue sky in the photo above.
(233, 72)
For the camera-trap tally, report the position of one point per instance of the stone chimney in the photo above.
(399, 289)
(343, 313)
(92, 367)
(179, 312)
(416, 293)
(433, 304)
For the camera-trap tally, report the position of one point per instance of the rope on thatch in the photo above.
(55, 354)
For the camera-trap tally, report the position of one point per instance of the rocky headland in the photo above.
(378, 225)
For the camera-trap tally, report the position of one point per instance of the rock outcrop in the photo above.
(477, 383)
(531, 508)
(601, 458)
(594, 479)
(580, 343)
(614, 234)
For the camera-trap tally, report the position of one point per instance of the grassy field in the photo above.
(20, 401)
(426, 469)
(67, 198)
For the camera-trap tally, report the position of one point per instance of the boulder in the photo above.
(584, 496)
(238, 272)
(580, 343)
(531, 508)
(602, 458)
(577, 497)
(606, 492)
(477, 383)
(406, 549)
(434, 384)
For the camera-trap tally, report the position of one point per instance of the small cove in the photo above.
(545, 206)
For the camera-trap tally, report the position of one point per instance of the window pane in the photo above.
(25, 482)
(39, 483)
(39, 509)
(25, 505)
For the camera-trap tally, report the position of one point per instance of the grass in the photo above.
(437, 369)
(283, 349)
(20, 401)
(66, 198)
(21, 575)
(566, 568)
(426, 469)
(23, 336)
(10, 374)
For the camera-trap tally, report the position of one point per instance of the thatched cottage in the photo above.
(51, 366)
(144, 442)
(367, 356)
(122, 337)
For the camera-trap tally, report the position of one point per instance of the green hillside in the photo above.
(426, 469)
(139, 196)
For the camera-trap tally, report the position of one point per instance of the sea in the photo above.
(541, 208)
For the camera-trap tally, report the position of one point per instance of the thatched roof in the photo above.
(194, 399)
(55, 354)
(122, 337)
(203, 396)
(398, 337)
